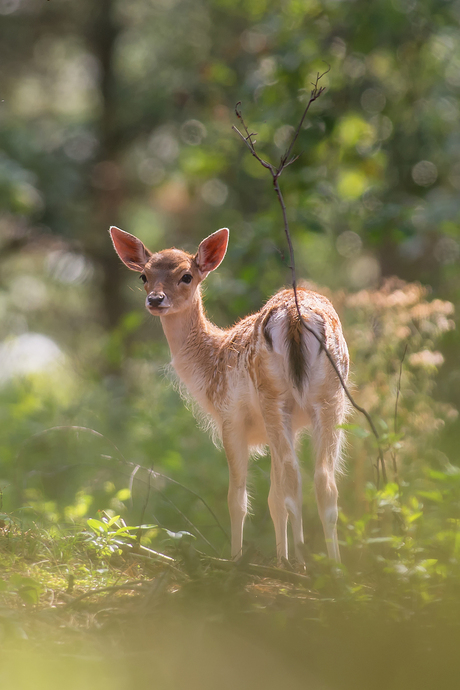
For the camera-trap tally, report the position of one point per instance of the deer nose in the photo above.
(154, 300)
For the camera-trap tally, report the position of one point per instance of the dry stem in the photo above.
(275, 172)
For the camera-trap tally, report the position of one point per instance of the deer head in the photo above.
(171, 277)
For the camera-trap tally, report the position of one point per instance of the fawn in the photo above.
(262, 381)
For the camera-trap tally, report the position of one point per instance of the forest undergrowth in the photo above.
(110, 601)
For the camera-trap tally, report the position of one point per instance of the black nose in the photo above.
(155, 300)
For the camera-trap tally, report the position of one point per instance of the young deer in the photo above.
(262, 380)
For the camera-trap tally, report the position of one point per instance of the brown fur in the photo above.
(262, 380)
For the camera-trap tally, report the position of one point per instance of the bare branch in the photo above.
(314, 95)
(293, 160)
(275, 173)
(134, 584)
(251, 145)
(260, 570)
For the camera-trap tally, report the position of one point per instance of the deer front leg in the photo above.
(236, 449)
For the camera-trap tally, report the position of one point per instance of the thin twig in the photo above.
(168, 565)
(158, 475)
(194, 493)
(101, 590)
(260, 570)
(144, 507)
(68, 427)
(187, 520)
(315, 94)
(395, 424)
(135, 467)
(275, 173)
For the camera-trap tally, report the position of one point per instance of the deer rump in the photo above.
(273, 356)
(295, 348)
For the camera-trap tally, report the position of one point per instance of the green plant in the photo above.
(26, 588)
(109, 535)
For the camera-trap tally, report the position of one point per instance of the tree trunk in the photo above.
(107, 184)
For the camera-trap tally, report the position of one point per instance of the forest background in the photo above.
(121, 113)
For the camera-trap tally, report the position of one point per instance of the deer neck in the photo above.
(189, 331)
(194, 342)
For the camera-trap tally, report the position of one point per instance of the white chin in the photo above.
(158, 311)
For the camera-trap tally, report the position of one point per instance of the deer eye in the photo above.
(143, 278)
(186, 278)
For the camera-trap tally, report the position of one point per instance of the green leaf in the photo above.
(27, 588)
(29, 595)
(179, 535)
(355, 429)
(383, 425)
(97, 525)
(123, 495)
(122, 530)
(434, 495)
(113, 520)
(414, 516)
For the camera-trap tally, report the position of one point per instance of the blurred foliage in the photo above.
(120, 113)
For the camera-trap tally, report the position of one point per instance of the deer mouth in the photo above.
(158, 310)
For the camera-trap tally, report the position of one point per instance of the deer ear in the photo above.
(130, 250)
(212, 251)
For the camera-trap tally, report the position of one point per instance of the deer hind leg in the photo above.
(285, 496)
(237, 451)
(328, 442)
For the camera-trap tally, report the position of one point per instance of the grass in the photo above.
(74, 615)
